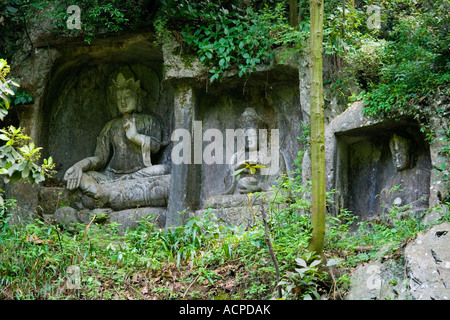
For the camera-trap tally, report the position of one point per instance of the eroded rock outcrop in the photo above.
(428, 264)
(421, 272)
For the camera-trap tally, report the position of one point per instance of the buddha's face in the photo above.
(401, 161)
(251, 142)
(126, 101)
(400, 153)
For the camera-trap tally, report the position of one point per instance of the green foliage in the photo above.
(97, 18)
(415, 62)
(306, 278)
(18, 157)
(6, 89)
(367, 61)
(338, 227)
(234, 38)
(35, 259)
(341, 34)
(189, 241)
(100, 18)
(199, 258)
(358, 242)
(109, 261)
(11, 24)
(443, 169)
(9, 204)
(21, 97)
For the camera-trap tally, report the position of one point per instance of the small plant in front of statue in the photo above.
(247, 168)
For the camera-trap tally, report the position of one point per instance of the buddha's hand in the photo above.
(130, 129)
(73, 177)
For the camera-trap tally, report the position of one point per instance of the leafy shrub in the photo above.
(415, 65)
(226, 39)
(17, 157)
(6, 89)
(367, 60)
(101, 18)
(304, 282)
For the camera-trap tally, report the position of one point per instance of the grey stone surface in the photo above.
(176, 65)
(130, 218)
(237, 200)
(434, 214)
(439, 160)
(238, 209)
(277, 106)
(52, 198)
(422, 272)
(185, 177)
(70, 83)
(428, 264)
(77, 101)
(67, 216)
(27, 200)
(358, 157)
(235, 216)
(378, 281)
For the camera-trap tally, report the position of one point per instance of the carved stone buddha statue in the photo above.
(250, 156)
(121, 174)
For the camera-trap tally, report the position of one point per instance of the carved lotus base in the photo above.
(134, 193)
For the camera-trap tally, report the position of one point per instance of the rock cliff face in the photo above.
(422, 272)
(73, 104)
(428, 264)
(70, 82)
(371, 164)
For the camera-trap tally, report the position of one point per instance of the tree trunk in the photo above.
(317, 128)
(293, 13)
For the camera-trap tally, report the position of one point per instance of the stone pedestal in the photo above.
(125, 218)
(126, 194)
(236, 210)
(131, 201)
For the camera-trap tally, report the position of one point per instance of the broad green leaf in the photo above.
(11, 9)
(237, 172)
(314, 263)
(40, 178)
(333, 262)
(13, 169)
(3, 113)
(301, 262)
(22, 166)
(26, 172)
(16, 177)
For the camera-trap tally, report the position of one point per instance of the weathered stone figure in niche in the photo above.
(245, 182)
(401, 152)
(123, 153)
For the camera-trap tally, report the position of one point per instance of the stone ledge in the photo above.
(125, 218)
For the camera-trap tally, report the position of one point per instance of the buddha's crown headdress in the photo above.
(121, 83)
